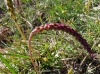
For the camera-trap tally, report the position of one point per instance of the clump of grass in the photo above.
(45, 11)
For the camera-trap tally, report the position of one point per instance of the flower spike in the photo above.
(67, 29)
(60, 26)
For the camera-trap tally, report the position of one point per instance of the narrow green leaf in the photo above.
(12, 70)
(16, 55)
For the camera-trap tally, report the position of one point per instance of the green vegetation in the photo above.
(53, 51)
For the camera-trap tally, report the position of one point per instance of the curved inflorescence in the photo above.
(67, 29)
